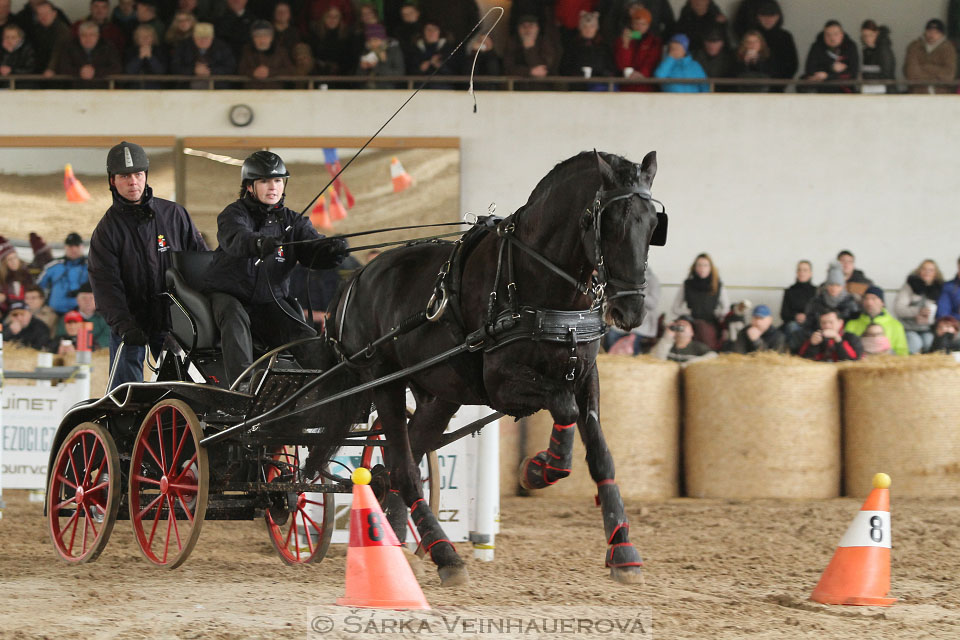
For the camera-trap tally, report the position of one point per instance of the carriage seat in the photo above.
(185, 282)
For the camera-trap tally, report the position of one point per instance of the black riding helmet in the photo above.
(127, 157)
(261, 165)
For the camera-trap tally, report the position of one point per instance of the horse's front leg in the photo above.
(551, 464)
(622, 557)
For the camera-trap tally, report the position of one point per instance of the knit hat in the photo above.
(936, 23)
(875, 290)
(73, 239)
(261, 25)
(5, 248)
(638, 13)
(37, 244)
(682, 40)
(835, 274)
(768, 8)
(761, 311)
(375, 31)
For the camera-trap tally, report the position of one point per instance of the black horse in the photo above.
(530, 294)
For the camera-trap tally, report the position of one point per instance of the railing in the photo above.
(508, 83)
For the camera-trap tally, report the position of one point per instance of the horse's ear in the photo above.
(648, 168)
(601, 164)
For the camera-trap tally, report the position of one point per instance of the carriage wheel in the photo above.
(169, 480)
(431, 484)
(84, 493)
(300, 532)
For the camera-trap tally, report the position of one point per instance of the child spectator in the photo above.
(381, 55)
(794, 305)
(16, 56)
(832, 296)
(15, 277)
(588, 55)
(63, 277)
(529, 53)
(716, 58)
(833, 56)
(784, 60)
(679, 345)
(761, 335)
(89, 56)
(262, 59)
(878, 59)
(945, 332)
(679, 64)
(334, 48)
(874, 312)
(830, 342)
(932, 58)
(703, 298)
(875, 341)
(203, 56)
(638, 50)
(753, 61)
(916, 305)
(22, 328)
(37, 303)
(697, 17)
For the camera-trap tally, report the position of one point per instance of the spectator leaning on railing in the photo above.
(832, 56)
(16, 56)
(203, 56)
(931, 57)
(879, 63)
(715, 57)
(679, 64)
(89, 57)
(262, 59)
(831, 342)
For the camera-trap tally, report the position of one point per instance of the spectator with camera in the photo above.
(638, 50)
(830, 342)
(20, 327)
(761, 335)
(874, 312)
(916, 305)
(945, 336)
(679, 345)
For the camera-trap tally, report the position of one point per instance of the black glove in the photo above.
(329, 253)
(266, 245)
(135, 337)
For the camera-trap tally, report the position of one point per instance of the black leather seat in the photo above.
(191, 314)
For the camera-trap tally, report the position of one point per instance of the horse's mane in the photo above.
(624, 171)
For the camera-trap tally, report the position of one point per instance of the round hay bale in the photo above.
(640, 418)
(902, 417)
(761, 426)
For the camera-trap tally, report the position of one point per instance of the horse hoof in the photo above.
(627, 575)
(523, 474)
(415, 562)
(453, 576)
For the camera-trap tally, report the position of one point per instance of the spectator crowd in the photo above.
(631, 39)
(845, 317)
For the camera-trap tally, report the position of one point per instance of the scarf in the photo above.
(919, 287)
(142, 210)
(699, 298)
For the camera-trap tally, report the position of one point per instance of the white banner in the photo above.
(31, 415)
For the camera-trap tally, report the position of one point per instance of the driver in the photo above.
(249, 280)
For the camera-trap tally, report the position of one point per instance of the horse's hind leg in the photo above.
(622, 557)
(405, 476)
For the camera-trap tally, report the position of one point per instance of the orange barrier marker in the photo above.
(378, 575)
(318, 215)
(75, 190)
(859, 573)
(401, 179)
(337, 211)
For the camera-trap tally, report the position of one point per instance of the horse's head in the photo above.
(618, 230)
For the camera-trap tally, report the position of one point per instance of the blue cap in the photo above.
(761, 311)
(683, 40)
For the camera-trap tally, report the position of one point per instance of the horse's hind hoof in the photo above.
(453, 576)
(627, 575)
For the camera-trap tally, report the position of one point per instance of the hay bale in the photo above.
(19, 358)
(640, 417)
(762, 426)
(902, 417)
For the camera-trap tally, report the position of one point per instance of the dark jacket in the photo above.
(821, 58)
(35, 335)
(104, 58)
(20, 60)
(771, 340)
(276, 59)
(783, 53)
(155, 65)
(129, 256)
(595, 54)
(235, 269)
(846, 307)
(795, 300)
(879, 63)
(48, 42)
(696, 27)
(218, 57)
(830, 350)
(234, 30)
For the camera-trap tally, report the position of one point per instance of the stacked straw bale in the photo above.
(761, 426)
(902, 417)
(640, 418)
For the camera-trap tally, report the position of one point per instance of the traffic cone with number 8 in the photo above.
(378, 575)
(859, 573)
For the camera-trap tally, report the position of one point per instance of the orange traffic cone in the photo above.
(318, 215)
(859, 572)
(337, 212)
(401, 179)
(378, 575)
(75, 191)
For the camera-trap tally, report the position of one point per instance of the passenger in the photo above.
(249, 281)
(129, 256)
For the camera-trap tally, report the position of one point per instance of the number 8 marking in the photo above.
(375, 531)
(876, 532)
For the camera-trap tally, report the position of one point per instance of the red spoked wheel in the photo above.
(375, 453)
(84, 493)
(300, 524)
(169, 481)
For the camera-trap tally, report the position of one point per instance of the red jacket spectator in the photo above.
(643, 55)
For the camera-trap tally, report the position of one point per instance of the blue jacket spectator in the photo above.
(949, 303)
(678, 64)
(63, 278)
